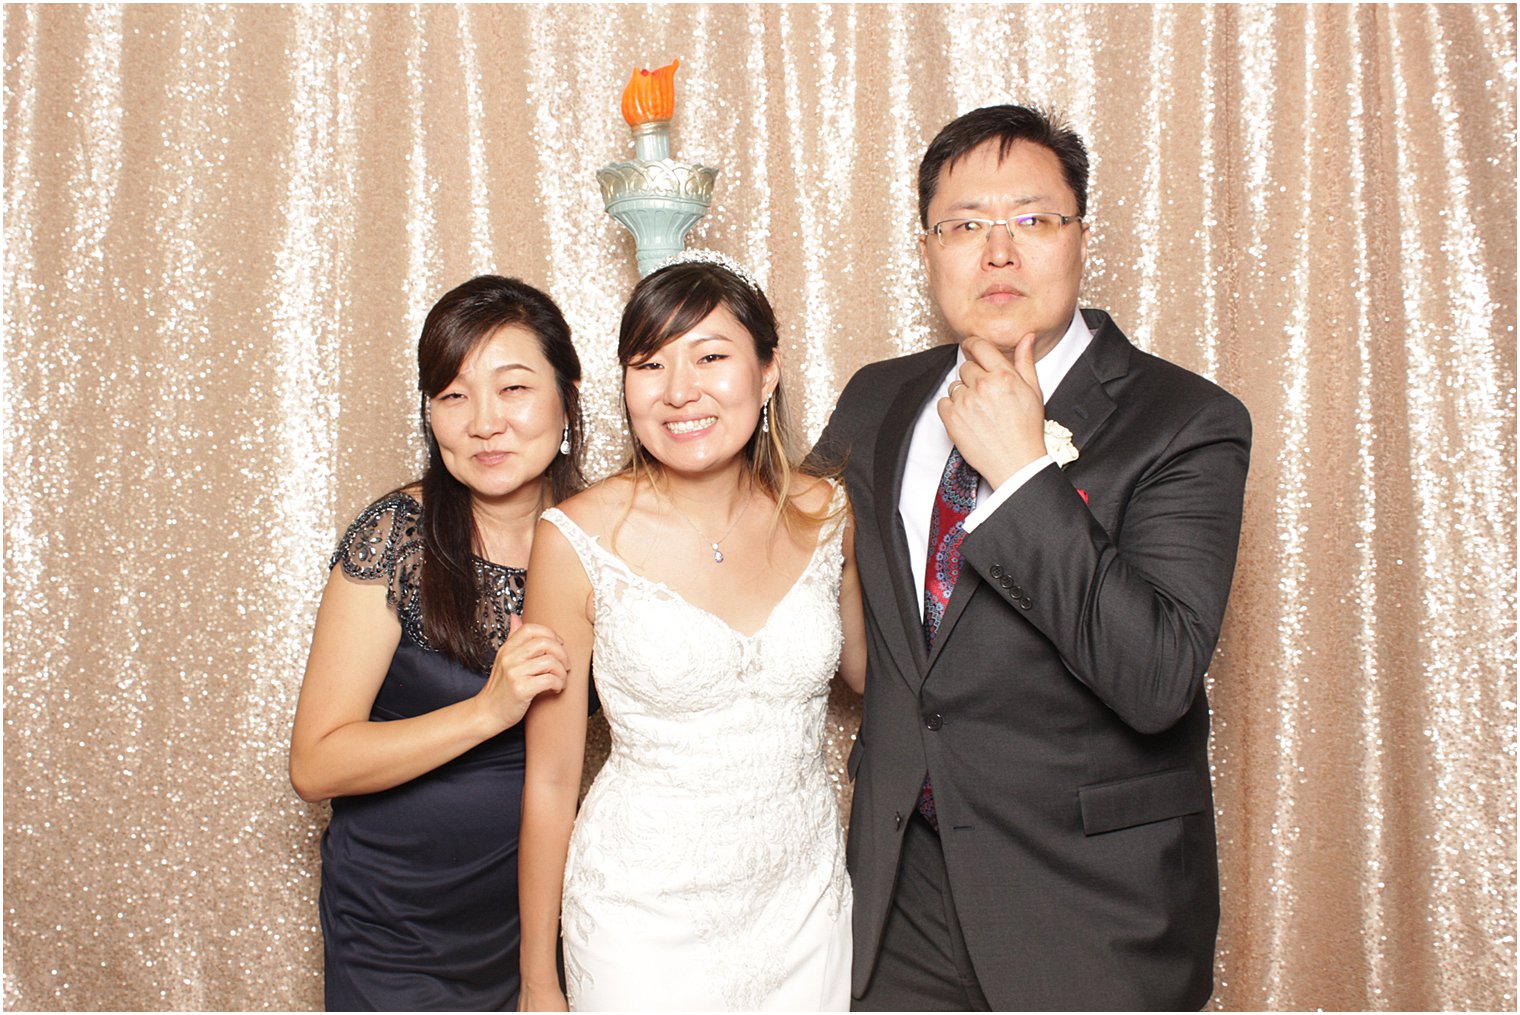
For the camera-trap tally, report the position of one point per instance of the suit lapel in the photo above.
(891, 459)
(1080, 402)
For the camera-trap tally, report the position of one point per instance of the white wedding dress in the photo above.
(706, 869)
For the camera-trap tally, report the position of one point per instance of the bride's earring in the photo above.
(765, 416)
(564, 441)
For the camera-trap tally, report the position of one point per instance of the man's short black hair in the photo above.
(1007, 125)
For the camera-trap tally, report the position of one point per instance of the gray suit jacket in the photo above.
(1061, 714)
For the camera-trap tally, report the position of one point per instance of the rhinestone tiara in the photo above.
(701, 255)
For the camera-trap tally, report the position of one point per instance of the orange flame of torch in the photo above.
(650, 95)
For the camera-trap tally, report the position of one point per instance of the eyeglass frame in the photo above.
(1005, 223)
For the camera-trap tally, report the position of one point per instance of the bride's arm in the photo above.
(852, 658)
(557, 596)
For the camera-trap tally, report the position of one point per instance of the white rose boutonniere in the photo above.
(1058, 443)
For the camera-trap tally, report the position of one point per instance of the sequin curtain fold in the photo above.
(223, 226)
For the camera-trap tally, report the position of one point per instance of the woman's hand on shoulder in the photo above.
(531, 661)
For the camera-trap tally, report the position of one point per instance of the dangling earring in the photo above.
(765, 416)
(427, 416)
(564, 441)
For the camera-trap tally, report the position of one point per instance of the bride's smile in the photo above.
(695, 402)
(687, 427)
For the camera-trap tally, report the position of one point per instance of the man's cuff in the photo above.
(1010, 486)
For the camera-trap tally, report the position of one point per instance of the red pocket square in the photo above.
(1083, 494)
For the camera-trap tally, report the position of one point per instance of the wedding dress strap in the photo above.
(594, 556)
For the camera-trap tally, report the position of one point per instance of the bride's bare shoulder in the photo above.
(596, 508)
(813, 494)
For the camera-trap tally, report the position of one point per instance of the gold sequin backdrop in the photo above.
(223, 227)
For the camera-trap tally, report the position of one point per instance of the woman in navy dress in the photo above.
(420, 671)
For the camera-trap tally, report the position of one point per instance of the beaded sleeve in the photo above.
(384, 544)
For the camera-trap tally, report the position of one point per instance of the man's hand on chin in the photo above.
(995, 413)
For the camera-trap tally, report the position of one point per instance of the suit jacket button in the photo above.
(1018, 593)
(996, 571)
(933, 721)
(899, 819)
(1007, 582)
(1026, 603)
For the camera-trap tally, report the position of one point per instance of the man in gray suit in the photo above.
(1033, 825)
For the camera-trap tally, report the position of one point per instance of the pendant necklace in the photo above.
(717, 553)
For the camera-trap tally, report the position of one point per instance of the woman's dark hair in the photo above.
(670, 302)
(466, 316)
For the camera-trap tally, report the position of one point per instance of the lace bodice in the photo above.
(715, 796)
(384, 544)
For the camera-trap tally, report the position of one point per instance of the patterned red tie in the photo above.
(955, 500)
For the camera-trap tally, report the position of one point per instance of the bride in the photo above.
(715, 586)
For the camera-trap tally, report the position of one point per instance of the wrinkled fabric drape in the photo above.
(223, 226)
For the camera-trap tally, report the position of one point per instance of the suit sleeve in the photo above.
(1134, 616)
(835, 446)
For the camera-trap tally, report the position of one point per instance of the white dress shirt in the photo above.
(930, 447)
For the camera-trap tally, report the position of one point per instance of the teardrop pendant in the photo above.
(717, 554)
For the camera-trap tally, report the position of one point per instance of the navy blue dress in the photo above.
(419, 882)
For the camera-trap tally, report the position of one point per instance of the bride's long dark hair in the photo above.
(466, 316)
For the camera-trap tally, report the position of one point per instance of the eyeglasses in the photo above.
(1034, 228)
